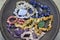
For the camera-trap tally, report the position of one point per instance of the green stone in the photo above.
(41, 24)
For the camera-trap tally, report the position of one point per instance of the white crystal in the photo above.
(22, 12)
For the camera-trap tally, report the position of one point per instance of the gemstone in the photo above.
(18, 31)
(42, 15)
(39, 11)
(39, 16)
(41, 6)
(33, 2)
(38, 3)
(30, 11)
(11, 26)
(22, 12)
(47, 14)
(41, 24)
(44, 7)
(8, 25)
(48, 10)
(16, 36)
(34, 36)
(8, 30)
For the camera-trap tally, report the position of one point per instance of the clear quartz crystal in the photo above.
(22, 12)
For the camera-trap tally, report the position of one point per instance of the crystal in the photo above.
(30, 11)
(48, 10)
(16, 36)
(18, 31)
(32, 1)
(22, 12)
(42, 15)
(47, 14)
(34, 36)
(44, 6)
(41, 24)
(8, 25)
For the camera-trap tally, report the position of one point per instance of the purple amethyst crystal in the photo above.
(11, 26)
(18, 31)
(8, 25)
(16, 36)
(9, 30)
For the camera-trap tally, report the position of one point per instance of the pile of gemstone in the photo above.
(30, 20)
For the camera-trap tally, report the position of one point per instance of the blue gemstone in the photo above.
(34, 6)
(39, 16)
(47, 14)
(30, 11)
(48, 10)
(42, 15)
(38, 3)
(22, 12)
(44, 7)
(41, 5)
(33, 2)
(39, 10)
